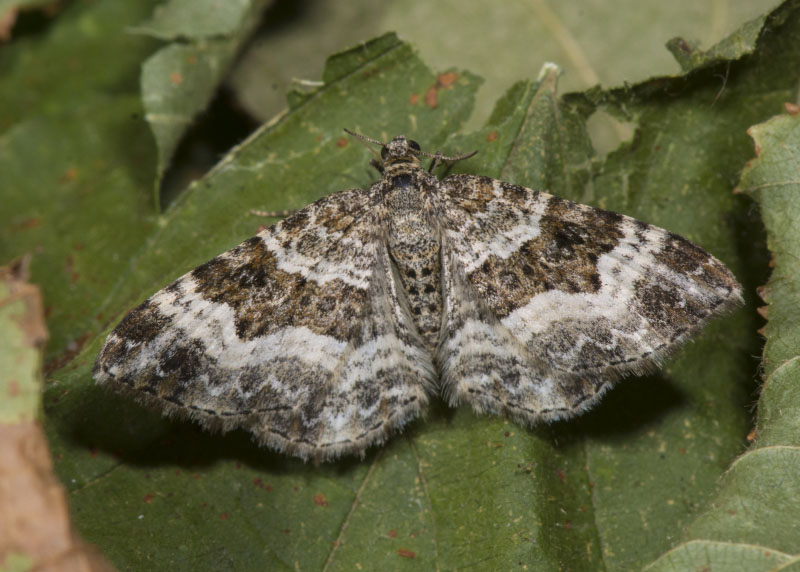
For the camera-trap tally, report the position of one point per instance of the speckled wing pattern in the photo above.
(558, 300)
(328, 332)
(296, 335)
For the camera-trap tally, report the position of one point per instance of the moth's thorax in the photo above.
(414, 244)
(401, 165)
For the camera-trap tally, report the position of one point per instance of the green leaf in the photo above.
(773, 181)
(607, 43)
(755, 510)
(179, 80)
(338, 66)
(54, 71)
(76, 162)
(741, 42)
(615, 489)
(22, 334)
(698, 555)
(196, 19)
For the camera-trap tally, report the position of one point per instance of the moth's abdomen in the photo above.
(416, 251)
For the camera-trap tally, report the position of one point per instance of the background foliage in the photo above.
(650, 477)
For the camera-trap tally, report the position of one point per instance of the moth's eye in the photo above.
(414, 145)
(384, 152)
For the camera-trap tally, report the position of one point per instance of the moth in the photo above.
(330, 331)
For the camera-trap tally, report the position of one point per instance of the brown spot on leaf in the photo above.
(70, 268)
(31, 223)
(320, 500)
(432, 97)
(791, 108)
(443, 81)
(414, 99)
(492, 136)
(392, 533)
(148, 498)
(68, 176)
(176, 78)
(341, 142)
(406, 553)
(447, 79)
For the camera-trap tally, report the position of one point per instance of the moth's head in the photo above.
(400, 150)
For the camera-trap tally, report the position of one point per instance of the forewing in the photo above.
(297, 335)
(562, 299)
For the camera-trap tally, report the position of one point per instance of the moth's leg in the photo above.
(436, 158)
(377, 164)
(275, 214)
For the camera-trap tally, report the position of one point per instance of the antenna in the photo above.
(435, 156)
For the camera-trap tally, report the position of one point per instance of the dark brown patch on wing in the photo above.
(667, 305)
(695, 263)
(138, 328)
(296, 222)
(143, 324)
(266, 299)
(667, 308)
(336, 213)
(471, 192)
(562, 257)
(180, 363)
